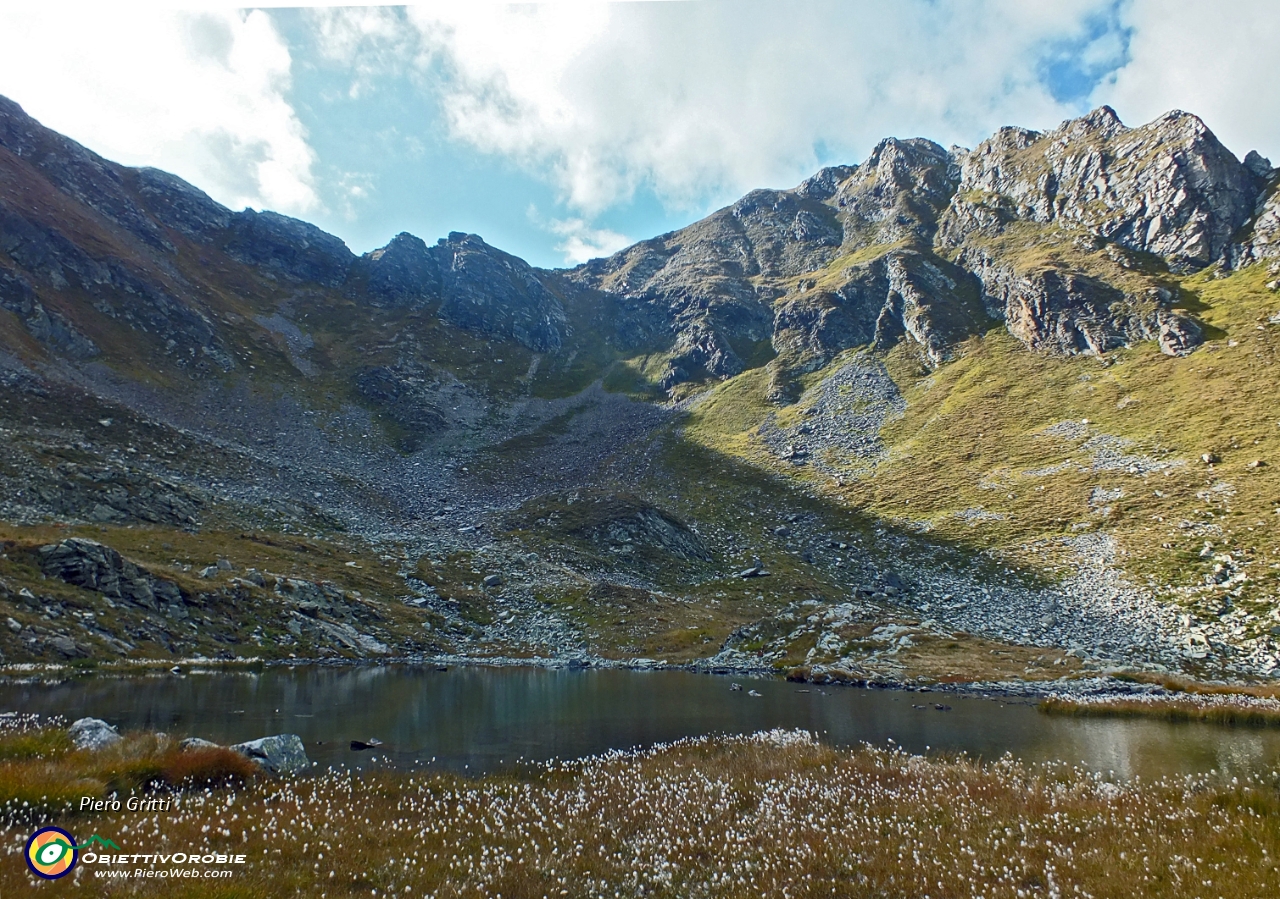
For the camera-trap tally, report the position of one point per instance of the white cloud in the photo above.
(200, 94)
(370, 41)
(711, 99)
(583, 242)
(1219, 60)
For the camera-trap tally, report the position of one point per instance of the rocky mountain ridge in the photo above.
(614, 458)
(1067, 237)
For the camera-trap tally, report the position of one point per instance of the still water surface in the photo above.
(482, 719)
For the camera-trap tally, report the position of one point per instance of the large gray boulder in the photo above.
(92, 733)
(279, 754)
(94, 566)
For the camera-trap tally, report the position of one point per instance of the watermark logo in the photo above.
(52, 852)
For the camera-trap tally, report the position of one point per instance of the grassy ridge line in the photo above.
(769, 815)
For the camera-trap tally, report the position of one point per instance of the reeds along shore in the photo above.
(775, 814)
(1227, 709)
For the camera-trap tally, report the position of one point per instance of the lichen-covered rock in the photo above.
(92, 734)
(279, 754)
(194, 743)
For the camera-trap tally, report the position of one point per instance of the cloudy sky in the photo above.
(569, 129)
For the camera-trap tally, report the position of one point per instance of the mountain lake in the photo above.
(477, 719)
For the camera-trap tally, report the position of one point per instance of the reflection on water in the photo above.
(479, 719)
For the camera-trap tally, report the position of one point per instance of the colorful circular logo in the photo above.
(51, 853)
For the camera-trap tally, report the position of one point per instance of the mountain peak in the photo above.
(1103, 121)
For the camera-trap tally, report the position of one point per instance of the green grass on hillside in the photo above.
(979, 435)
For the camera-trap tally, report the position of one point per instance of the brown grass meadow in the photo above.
(775, 814)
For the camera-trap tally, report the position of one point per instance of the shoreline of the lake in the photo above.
(1099, 692)
(1105, 682)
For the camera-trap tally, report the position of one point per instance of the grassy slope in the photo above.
(973, 438)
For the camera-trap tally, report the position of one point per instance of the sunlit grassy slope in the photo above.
(1017, 452)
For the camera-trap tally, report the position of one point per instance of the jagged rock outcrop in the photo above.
(19, 297)
(326, 614)
(470, 285)
(616, 522)
(288, 247)
(1051, 233)
(897, 194)
(409, 397)
(182, 206)
(1067, 236)
(906, 294)
(71, 221)
(94, 566)
(1168, 187)
(403, 273)
(1264, 239)
(75, 171)
(1071, 312)
(495, 293)
(647, 527)
(708, 288)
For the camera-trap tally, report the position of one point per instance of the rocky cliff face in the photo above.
(1064, 236)
(1168, 188)
(1264, 239)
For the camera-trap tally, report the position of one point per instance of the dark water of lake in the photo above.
(479, 719)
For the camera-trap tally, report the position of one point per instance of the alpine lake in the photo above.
(480, 719)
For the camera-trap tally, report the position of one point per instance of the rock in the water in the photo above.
(279, 754)
(93, 733)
